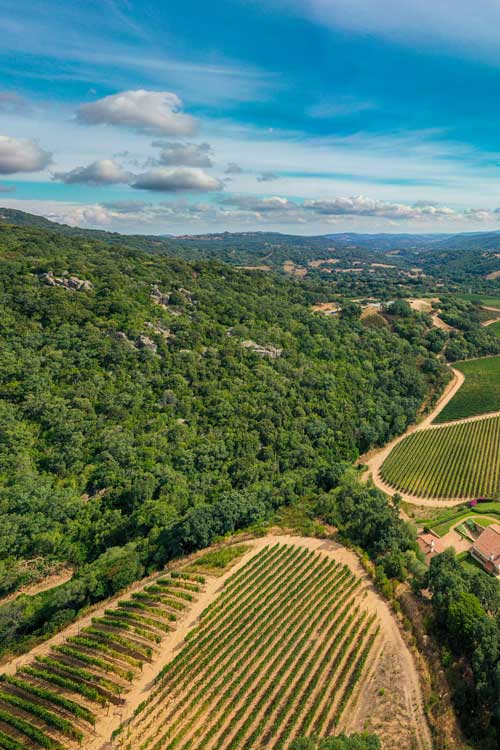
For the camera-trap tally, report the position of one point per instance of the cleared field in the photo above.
(453, 461)
(480, 393)
(54, 701)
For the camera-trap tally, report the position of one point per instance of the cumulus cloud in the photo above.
(125, 207)
(93, 215)
(102, 172)
(360, 205)
(248, 212)
(176, 180)
(271, 204)
(184, 154)
(22, 155)
(233, 168)
(151, 112)
(11, 102)
(267, 177)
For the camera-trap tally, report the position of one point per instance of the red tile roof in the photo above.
(488, 544)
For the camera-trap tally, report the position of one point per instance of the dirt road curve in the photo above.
(489, 322)
(50, 582)
(374, 459)
(439, 323)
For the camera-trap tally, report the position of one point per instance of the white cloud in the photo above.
(360, 205)
(102, 172)
(454, 23)
(260, 205)
(21, 155)
(176, 154)
(273, 213)
(175, 180)
(90, 215)
(357, 207)
(152, 112)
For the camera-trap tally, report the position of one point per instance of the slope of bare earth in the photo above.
(422, 304)
(396, 714)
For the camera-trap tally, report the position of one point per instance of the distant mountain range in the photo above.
(471, 253)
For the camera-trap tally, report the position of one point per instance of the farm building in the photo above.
(430, 545)
(486, 549)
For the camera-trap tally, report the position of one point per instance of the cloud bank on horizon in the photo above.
(295, 115)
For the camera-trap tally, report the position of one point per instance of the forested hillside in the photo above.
(167, 402)
(387, 261)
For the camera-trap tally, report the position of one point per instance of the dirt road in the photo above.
(375, 458)
(49, 582)
(489, 322)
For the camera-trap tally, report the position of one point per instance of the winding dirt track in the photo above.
(489, 322)
(374, 459)
(47, 583)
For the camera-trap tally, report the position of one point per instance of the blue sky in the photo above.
(305, 116)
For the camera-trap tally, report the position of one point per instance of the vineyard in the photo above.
(480, 392)
(279, 653)
(454, 461)
(246, 646)
(54, 701)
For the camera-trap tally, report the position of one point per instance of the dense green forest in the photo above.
(466, 621)
(133, 431)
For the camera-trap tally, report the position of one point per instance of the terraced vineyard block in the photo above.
(279, 653)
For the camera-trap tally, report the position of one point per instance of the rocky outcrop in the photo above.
(171, 299)
(141, 342)
(262, 351)
(159, 297)
(67, 282)
(144, 342)
(160, 330)
(122, 336)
